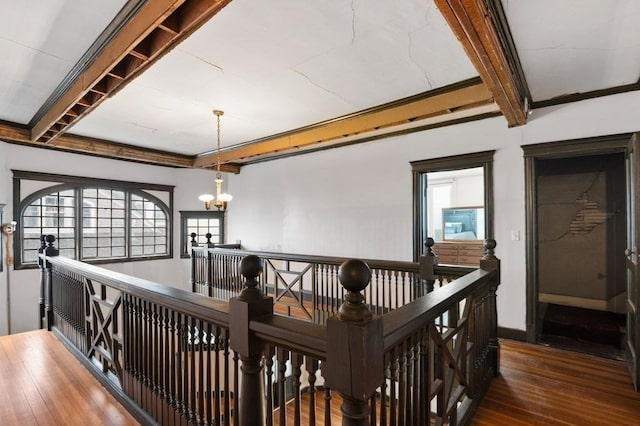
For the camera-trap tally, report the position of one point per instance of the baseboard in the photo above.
(512, 334)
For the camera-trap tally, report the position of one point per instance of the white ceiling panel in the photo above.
(576, 46)
(40, 42)
(280, 65)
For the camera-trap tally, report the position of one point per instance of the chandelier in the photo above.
(221, 198)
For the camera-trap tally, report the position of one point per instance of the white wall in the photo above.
(24, 283)
(352, 201)
(357, 200)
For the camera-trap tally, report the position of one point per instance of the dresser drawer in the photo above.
(447, 259)
(472, 248)
(469, 260)
(465, 252)
(446, 251)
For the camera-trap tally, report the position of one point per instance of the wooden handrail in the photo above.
(186, 302)
(302, 337)
(327, 260)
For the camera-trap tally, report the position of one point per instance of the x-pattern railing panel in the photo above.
(103, 337)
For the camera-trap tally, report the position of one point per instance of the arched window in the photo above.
(95, 223)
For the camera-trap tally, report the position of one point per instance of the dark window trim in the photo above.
(1, 238)
(190, 214)
(419, 168)
(77, 183)
(83, 181)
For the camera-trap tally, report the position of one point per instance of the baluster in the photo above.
(268, 362)
(206, 372)
(402, 381)
(296, 362)
(439, 373)
(201, 372)
(126, 330)
(210, 271)
(393, 380)
(192, 350)
(236, 387)
(283, 356)
(157, 361)
(355, 363)
(167, 363)
(216, 380)
(227, 408)
(311, 365)
(425, 377)
(327, 406)
(174, 371)
(180, 369)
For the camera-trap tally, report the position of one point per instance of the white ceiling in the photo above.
(40, 41)
(283, 64)
(280, 65)
(576, 46)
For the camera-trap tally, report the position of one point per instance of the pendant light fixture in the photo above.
(221, 198)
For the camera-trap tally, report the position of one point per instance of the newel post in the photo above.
(250, 304)
(194, 261)
(43, 244)
(489, 262)
(355, 347)
(428, 261)
(49, 251)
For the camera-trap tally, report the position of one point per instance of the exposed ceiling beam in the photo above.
(475, 27)
(104, 148)
(440, 102)
(147, 33)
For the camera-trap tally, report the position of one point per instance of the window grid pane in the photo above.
(54, 214)
(201, 227)
(100, 208)
(100, 227)
(148, 228)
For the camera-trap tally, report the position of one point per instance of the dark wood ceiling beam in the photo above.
(150, 32)
(83, 145)
(440, 102)
(473, 24)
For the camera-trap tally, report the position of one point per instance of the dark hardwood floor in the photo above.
(43, 384)
(539, 385)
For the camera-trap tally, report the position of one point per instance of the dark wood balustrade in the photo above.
(177, 357)
(307, 286)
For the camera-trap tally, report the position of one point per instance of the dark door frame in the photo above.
(532, 153)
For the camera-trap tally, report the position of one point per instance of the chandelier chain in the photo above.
(218, 174)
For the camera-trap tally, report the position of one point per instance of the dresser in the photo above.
(459, 252)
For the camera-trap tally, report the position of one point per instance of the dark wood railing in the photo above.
(307, 286)
(175, 356)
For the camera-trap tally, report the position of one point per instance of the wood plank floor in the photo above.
(42, 383)
(544, 386)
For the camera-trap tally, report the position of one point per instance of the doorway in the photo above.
(576, 209)
(581, 238)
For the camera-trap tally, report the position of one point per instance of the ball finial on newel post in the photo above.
(429, 243)
(489, 248)
(251, 268)
(355, 276)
